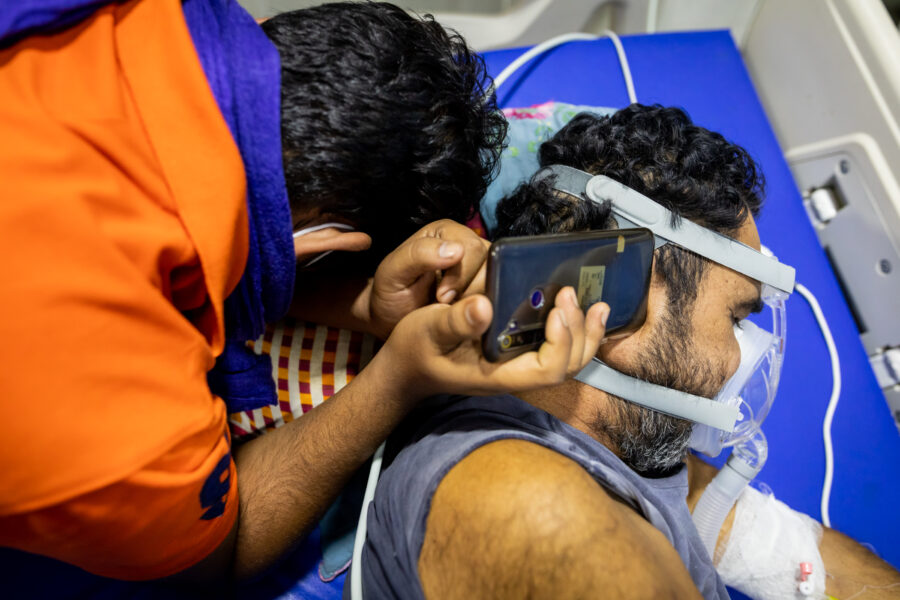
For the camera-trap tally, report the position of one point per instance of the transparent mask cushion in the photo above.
(753, 386)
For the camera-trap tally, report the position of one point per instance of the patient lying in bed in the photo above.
(436, 533)
(568, 490)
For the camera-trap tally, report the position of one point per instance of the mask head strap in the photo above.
(666, 400)
(633, 209)
(305, 230)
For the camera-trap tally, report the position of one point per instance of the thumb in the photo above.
(465, 320)
(414, 258)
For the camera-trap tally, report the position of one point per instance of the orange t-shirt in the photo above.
(123, 227)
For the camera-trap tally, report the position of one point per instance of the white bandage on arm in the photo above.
(768, 543)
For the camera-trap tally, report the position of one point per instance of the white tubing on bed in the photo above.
(359, 541)
(832, 403)
(564, 39)
(623, 63)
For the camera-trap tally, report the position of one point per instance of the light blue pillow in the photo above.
(528, 129)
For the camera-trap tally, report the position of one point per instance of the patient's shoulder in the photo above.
(517, 519)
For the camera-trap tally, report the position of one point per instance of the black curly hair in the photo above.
(383, 118)
(695, 173)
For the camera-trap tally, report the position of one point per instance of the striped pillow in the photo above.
(310, 363)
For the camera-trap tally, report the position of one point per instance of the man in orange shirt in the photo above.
(146, 234)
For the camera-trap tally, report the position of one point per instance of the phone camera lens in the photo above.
(537, 299)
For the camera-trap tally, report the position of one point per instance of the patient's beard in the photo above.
(651, 442)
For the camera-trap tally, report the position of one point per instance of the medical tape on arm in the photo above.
(765, 553)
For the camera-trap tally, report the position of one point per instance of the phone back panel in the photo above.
(524, 275)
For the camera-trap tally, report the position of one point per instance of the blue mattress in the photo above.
(704, 74)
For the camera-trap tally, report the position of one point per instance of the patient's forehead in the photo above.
(749, 234)
(729, 288)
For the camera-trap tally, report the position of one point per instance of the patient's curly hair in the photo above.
(695, 173)
(383, 118)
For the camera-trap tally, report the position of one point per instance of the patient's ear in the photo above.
(314, 243)
(622, 352)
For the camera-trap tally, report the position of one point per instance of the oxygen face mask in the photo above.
(752, 387)
(736, 413)
(734, 417)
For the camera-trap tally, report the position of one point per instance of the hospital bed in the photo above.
(704, 74)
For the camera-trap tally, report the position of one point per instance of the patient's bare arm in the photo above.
(516, 520)
(851, 569)
(854, 571)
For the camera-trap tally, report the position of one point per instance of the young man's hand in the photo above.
(441, 262)
(438, 263)
(437, 348)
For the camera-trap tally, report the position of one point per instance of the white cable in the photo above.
(623, 63)
(652, 15)
(537, 51)
(832, 403)
(356, 592)
(558, 41)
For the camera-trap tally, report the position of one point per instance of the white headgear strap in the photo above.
(633, 209)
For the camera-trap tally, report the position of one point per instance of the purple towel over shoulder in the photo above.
(244, 71)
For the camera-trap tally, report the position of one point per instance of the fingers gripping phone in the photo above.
(524, 275)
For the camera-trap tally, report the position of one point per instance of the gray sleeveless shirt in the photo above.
(445, 430)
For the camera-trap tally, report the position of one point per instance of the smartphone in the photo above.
(524, 275)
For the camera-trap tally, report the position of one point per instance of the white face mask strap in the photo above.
(637, 210)
(313, 228)
(672, 402)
